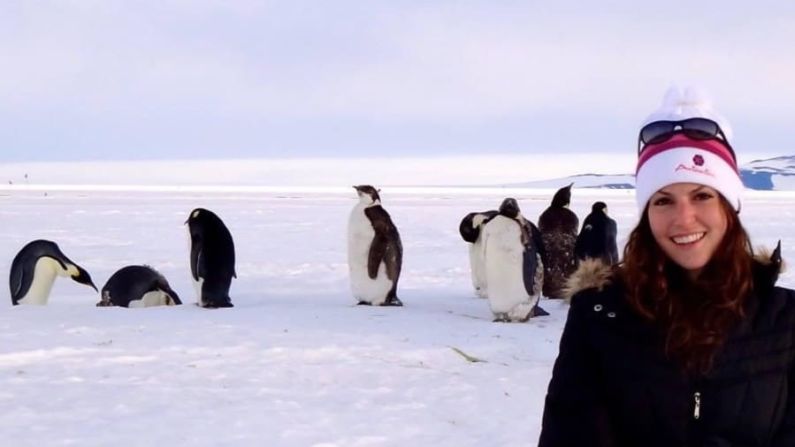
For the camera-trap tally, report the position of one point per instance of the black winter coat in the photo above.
(613, 386)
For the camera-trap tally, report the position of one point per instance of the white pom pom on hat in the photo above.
(685, 160)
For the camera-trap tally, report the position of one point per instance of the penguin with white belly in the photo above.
(470, 228)
(514, 271)
(212, 258)
(138, 286)
(375, 252)
(35, 268)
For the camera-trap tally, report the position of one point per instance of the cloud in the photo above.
(416, 63)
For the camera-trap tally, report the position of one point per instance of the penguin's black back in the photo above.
(132, 282)
(24, 264)
(386, 247)
(597, 239)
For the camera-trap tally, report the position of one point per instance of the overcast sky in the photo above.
(175, 79)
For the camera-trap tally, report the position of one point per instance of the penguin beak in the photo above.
(83, 277)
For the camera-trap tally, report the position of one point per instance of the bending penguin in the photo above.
(558, 226)
(34, 269)
(138, 286)
(212, 258)
(471, 228)
(514, 270)
(375, 253)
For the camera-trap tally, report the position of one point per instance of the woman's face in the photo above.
(688, 223)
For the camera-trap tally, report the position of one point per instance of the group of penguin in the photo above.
(212, 265)
(512, 261)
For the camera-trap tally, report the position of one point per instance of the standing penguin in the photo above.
(375, 253)
(212, 258)
(34, 269)
(138, 286)
(470, 228)
(597, 238)
(558, 225)
(514, 271)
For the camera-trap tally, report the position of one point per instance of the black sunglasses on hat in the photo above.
(696, 128)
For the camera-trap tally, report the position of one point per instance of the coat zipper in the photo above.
(697, 405)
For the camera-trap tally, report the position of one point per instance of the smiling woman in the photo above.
(687, 341)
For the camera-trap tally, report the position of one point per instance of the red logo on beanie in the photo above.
(698, 160)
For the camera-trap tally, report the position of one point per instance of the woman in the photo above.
(687, 342)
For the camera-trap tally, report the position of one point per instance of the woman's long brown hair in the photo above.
(694, 315)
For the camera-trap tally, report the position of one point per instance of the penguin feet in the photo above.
(501, 318)
(214, 305)
(539, 312)
(393, 301)
(364, 303)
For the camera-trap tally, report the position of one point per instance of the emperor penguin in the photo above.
(514, 270)
(34, 269)
(375, 253)
(597, 238)
(470, 228)
(138, 286)
(212, 258)
(558, 225)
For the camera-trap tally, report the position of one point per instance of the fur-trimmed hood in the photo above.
(595, 274)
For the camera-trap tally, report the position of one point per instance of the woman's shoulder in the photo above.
(594, 282)
(774, 301)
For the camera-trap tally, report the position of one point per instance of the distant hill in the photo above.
(773, 174)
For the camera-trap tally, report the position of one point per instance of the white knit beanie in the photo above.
(685, 160)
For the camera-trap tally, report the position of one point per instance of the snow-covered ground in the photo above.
(294, 363)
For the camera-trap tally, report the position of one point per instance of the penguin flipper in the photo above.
(377, 253)
(195, 257)
(21, 280)
(530, 263)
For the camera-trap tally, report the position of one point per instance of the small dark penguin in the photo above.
(470, 229)
(558, 225)
(375, 252)
(138, 286)
(514, 271)
(212, 258)
(34, 269)
(597, 238)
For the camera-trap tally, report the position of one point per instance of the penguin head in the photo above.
(599, 207)
(80, 275)
(562, 197)
(367, 194)
(509, 208)
(200, 218)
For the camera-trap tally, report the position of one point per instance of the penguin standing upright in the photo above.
(558, 225)
(212, 258)
(470, 229)
(597, 238)
(375, 253)
(34, 269)
(138, 286)
(514, 270)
